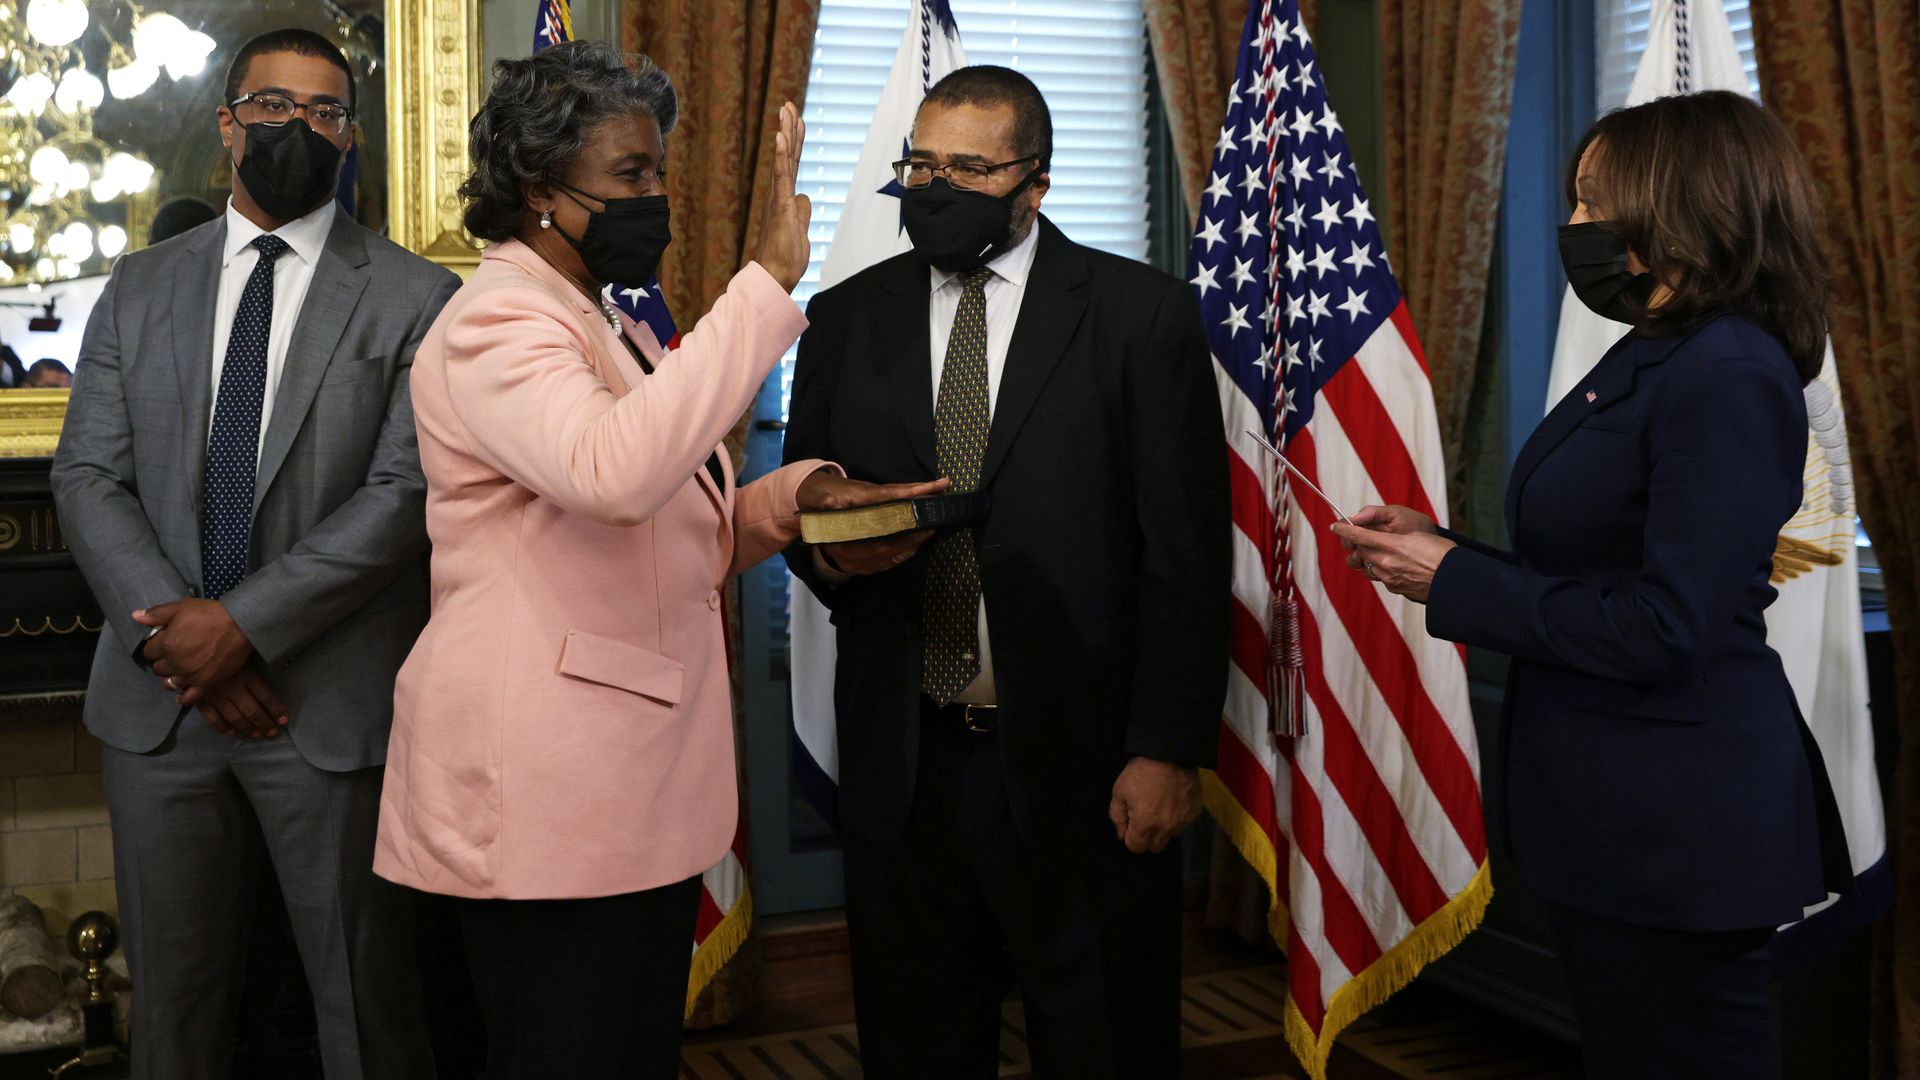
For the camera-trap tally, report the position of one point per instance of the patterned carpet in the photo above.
(1220, 1013)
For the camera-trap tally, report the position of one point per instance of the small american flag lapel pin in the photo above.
(1592, 397)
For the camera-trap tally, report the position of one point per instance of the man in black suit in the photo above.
(1023, 705)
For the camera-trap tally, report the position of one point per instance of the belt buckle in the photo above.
(982, 719)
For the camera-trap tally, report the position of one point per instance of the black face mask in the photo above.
(955, 229)
(289, 169)
(624, 240)
(1595, 257)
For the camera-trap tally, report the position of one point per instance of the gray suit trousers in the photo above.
(188, 858)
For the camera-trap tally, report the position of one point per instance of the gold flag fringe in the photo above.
(720, 946)
(1252, 843)
(1384, 977)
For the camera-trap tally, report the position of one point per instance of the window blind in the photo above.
(1087, 56)
(1621, 36)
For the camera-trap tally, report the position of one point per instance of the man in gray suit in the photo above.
(239, 481)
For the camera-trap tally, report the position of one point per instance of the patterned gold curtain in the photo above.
(1448, 73)
(1844, 75)
(734, 62)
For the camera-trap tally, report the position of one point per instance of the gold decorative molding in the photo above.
(30, 528)
(77, 625)
(433, 88)
(30, 422)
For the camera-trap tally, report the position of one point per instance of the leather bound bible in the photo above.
(886, 519)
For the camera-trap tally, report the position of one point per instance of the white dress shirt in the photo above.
(307, 237)
(1005, 289)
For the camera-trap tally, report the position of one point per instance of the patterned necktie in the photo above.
(951, 614)
(233, 450)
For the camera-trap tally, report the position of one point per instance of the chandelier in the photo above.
(55, 173)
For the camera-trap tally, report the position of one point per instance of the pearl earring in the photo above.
(546, 220)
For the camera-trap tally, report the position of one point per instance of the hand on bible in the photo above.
(243, 705)
(863, 557)
(828, 490)
(1153, 802)
(198, 645)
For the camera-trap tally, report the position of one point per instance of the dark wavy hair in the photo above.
(1712, 195)
(538, 114)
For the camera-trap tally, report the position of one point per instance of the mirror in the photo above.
(119, 88)
(125, 149)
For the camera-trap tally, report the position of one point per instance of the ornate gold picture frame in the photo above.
(30, 422)
(433, 89)
(434, 55)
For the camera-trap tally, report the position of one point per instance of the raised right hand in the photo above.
(782, 247)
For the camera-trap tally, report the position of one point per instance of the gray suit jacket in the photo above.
(337, 588)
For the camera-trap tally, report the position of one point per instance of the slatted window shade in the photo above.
(1621, 36)
(1087, 56)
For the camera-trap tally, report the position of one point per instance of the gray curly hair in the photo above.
(537, 116)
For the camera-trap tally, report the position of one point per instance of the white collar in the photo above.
(307, 236)
(1011, 265)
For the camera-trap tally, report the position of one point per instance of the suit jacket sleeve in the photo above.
(1488, 550)
(809, 425)
(361, 546)
(1727, 446)
(1184, 514)
(94, 486)
(532, 406)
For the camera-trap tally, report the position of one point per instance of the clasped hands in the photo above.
(1396, 546)
(201, 655)
(826, 491)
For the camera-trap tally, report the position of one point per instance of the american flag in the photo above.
(726, 901)
(644, 304)
(553, 23)
(1348, 774)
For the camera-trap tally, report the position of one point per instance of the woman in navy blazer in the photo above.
(1656, 785)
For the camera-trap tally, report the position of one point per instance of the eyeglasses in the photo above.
(273, 110)
(961, 174)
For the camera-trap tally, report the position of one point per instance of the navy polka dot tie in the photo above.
(951, 606)
(233, 450)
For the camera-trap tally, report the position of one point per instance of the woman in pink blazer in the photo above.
(562, 754)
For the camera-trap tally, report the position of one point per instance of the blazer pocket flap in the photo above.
(622, 666)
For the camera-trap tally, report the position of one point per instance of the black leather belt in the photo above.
(981, 719)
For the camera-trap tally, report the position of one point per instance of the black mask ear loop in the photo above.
(573, 193)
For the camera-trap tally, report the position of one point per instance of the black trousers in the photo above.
(945, 920)
(591, 989)
(1665, 1004)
